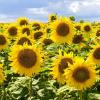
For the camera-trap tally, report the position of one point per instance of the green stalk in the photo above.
(30, 88)
(81, 95)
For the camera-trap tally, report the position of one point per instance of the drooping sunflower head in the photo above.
(25, 30)
(94, 55)
(22, 21)
(2, 76)
(12, 31)
(59, 65)
(3, 41)
(62, 31)
(81, 75)
(27, 60)
(53, 17)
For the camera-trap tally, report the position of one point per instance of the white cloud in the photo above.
(74, 6)
(37, 11)
(6, 18)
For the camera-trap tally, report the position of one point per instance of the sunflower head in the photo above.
(36, 26)
(22, 21)
(53, 17)
(80, 75)
(61, 63)
(3, 41)
(94, 55)
(27, 60)
(77, 39)
(12, 31)
(62, 31)
(24, 39)
(87, 27)
(98, 33)
(25, 30)
(38, 34)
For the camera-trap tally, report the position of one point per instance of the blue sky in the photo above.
(10, 10)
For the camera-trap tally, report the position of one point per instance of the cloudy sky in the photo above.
(10, 10)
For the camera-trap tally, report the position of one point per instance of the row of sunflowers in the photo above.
(54, 60)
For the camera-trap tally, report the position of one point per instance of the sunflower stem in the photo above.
(30, 88)
(81, 95)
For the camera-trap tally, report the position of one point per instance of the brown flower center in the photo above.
(64, 64)
(96, 53)
(24, 40)
(12, 31)
(81, 74)
(38, 35)
(2, 40)
(53, 18)
(98, 33)
(47, 42)
(26, 30)
(48, 30)
(62, 29)
(36, 26)
(87, 28)
(27, 58)
(23, 22)
(77, 39)
(78, 28)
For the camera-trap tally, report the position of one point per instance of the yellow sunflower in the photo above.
(2, 76)
(26, 60)
(87, 29)
(12, 31)
(60, 64)
(22, 39)
(94, 55)
(37, 34)
(25, 30)
(77, 26)
(53, 17)
(36, 25)
(81, 75)
(62, 31)
(3, 41)
(22, 21)
(46, 41)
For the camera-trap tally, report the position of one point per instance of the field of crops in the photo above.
(54, 60)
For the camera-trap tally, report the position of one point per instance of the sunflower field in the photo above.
(54, 60)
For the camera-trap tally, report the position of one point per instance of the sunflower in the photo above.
(59, 65)
(12, 31)
(53, 17)
(3, 41)
(2, 76)
(38, 34)
(94, 55)
(86, 27)
(80, 75)
(26, 60)
(25, 30)
(36, 25)
(62, 31)
(77, 26)
(22, 21)
(24, 39)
